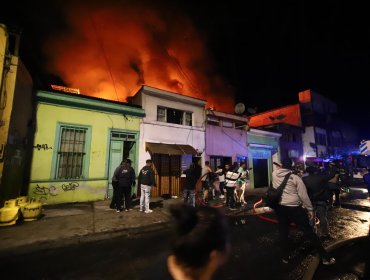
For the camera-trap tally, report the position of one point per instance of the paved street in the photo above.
(254, 251)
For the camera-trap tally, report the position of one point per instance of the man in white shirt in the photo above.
(295, 207)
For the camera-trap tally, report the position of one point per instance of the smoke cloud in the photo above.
(111, 49)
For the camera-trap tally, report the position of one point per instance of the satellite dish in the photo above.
(239, 108)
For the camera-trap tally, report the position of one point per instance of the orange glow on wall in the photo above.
(305, 96)
(289, 115)
(111, 51)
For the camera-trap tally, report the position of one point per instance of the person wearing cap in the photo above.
(125, 178)
(295, 207)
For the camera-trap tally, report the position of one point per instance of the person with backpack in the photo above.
(295, 207)
(124, 178)
(146, 181)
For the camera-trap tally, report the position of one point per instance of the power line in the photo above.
(104, 54)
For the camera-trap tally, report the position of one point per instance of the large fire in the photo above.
(110, 51)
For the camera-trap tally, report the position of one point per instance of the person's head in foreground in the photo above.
(201, 242)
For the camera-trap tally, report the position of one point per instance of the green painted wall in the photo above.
(49, 117)
(264, 140)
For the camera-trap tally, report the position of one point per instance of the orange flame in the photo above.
(109, 52)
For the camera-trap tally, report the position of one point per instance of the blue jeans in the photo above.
(145, 197)
(189, 197)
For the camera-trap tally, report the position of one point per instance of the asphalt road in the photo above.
(353, 261)
(255, 253)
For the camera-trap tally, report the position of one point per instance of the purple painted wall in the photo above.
(223, 141)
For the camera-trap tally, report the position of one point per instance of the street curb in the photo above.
(82, 239)
(310, 272)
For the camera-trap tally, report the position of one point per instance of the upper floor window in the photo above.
(175, 116)
(227, 123)
(71, 152)
(213, 120)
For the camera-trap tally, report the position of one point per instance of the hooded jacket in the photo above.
(295, 192)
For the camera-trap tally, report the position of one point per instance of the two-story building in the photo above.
(172, 134)
(287, 122)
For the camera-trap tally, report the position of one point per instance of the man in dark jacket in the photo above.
(192, 176)
(115, 186)
(125, 178)
(146, 181)
(319, 193)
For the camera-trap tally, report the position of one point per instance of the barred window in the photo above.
(71, 152)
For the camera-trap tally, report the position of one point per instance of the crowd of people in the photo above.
(305, 200)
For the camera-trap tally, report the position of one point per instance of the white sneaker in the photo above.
(222, 196)
(141, 210)
(148, 211)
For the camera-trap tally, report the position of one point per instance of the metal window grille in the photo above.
(71, 152)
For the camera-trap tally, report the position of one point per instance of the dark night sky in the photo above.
(267, 50)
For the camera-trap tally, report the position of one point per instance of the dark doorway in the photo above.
(260, 172)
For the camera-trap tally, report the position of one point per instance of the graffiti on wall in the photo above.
(48, 191)
(41, 190)
(71, 186)
(42, 147)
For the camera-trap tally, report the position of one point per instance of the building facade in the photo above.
(263, 150)
(322, 136)
(287, 122)
(226, 138)
(78, 143)
(172, 134)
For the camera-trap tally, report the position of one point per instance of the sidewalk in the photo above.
(74, 223)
